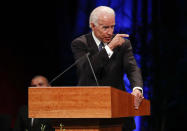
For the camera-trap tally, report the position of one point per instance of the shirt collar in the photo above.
(97, 41)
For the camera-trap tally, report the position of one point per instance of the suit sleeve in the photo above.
(130, 66)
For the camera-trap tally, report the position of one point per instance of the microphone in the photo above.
(92, 69)
(68, 68)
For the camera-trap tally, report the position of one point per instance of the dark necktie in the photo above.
(101, 45)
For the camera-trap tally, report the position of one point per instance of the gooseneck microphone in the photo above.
(68, 68)
(90, 64)
(92, 70)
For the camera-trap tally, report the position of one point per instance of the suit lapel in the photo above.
(92, 46)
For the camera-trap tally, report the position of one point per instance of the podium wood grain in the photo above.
(82, 103)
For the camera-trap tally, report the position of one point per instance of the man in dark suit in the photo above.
(110, 55)
(23, 123)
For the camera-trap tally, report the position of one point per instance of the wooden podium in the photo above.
(84, 108)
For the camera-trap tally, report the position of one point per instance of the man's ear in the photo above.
(92, 25)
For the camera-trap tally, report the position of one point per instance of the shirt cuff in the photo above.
(109, 51)
(139, 88)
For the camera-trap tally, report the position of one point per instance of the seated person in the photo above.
(23, 123)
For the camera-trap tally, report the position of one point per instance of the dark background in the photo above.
(35, 40)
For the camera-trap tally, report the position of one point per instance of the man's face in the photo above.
(39, 82)
(105, 27)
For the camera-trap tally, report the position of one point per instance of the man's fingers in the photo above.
(123, 35)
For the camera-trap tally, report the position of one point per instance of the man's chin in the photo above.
(106, 40)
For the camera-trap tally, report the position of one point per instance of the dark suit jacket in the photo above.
(23, 123)
(109, 71)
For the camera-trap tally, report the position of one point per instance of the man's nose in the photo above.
(110, 31)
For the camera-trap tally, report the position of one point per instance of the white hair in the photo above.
(97, 11)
